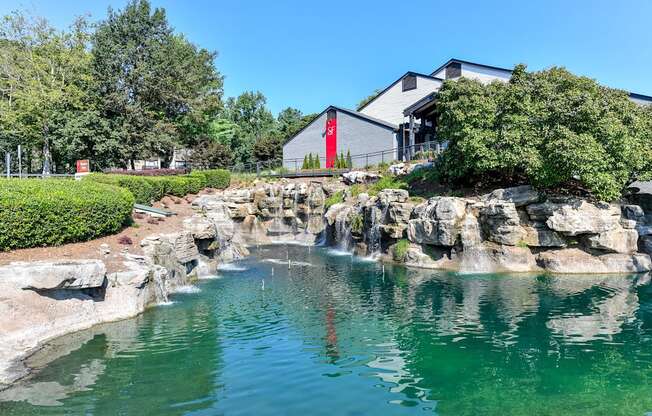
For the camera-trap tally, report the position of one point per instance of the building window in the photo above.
(454, 70)
(409, 83)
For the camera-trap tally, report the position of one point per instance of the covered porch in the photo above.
(417, 137)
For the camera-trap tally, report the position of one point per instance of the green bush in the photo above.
(400, 249)
(36, 212)
(386, 182)
(336, 198)
(214, 178)
(148, 189)
(550, 128)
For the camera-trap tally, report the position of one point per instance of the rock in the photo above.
(200, 227)
(519, 195)
(45, 275)
(582, 217)
(626, 263)
(501, 223)
(448, 208)
(644, 230)
(387, 196)
(471, 235)
(361, 177)
(184, 247)
(393, 231)
(633, 212)
(570, 260)
(510, 258)
(542, 237)
(397, 169)
(628, 224)
(618, 240)
(335, 211)
(427, 257)
(438, 221)
(399, 213)
(105, 249)
(645, 244)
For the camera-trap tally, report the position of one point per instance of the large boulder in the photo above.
(200, 227)
(501, 223)
(388, 196)
(572, 260)
(437, 221)
(399, 213)
(576, 217)
(52, 275)
(518, 195)
(538, 235)
(618, 240)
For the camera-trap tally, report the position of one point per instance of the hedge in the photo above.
(46, 212)
(214, 178)
(147, 189)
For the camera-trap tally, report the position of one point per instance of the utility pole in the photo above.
(8, 163)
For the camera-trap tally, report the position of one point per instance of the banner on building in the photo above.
(331, 139)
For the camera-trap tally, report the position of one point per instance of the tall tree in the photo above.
(156, 89)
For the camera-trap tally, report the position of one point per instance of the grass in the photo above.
(387, 182)
(336, 198)
(400, 250)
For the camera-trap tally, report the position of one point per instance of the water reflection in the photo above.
(333, 335)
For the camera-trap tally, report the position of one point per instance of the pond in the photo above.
(339, 335)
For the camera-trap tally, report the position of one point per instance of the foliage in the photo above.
(357, 222)
(550, 128)
(310, 162)
(210, 153)
(36, 213)
(336, 198)
(368, 98)
(400, 249)
(148, 172)
(214, 178)
(386, 182)
(147, 189)
(356, 189)
(349, 161)
(154, 87)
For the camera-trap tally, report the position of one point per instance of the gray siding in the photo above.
(354, 134)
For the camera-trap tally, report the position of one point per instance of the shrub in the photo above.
(386, 182)
(336, 198)
(550, 128)
(147, 189)
(400, 249)
(147, 172)
(357, 223)
(214, 178)
(36, 212)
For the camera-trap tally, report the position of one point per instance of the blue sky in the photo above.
(311, 54)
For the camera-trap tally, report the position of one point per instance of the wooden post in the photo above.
(411, 137)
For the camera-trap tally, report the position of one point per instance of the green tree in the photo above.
(317, 163)
(550, 128)
(249, 112)
(155, 88)
(368, 98)
(349, 160)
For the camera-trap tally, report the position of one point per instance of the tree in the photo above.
(349, 161)
(209, 153)
(368, 98)
(249, 112)
(155, 88)
(44, 83)
(549, 128)
(270, 147)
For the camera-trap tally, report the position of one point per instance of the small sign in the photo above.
(83, 166)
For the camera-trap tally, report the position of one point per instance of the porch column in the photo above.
(411, 140)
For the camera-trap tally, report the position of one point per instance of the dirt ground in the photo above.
(144, 226)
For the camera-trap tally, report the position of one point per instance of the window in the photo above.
(454, 70)
(409, 83)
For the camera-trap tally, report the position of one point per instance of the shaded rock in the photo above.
(633, 212)
(518, 195)
(617, 240)
(645, 244)
(501, 223)
(542, 237)
(44, 275)
(393, 231)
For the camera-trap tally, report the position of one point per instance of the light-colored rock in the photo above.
(397, 169)
(399, 213)
(105, 249)
(518, 195)
(46, 275)
(627, 224)
(359, 176)
(581, 217)
(570, 260)
(542, 237)
(387, 196)
(618, 240)
(393, 231)
(626, 263)
(200, 227)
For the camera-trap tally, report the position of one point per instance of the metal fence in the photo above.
(295, 167)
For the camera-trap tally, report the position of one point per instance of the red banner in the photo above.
(331, 142)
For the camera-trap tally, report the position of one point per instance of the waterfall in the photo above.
(474, 258)
(160, 288)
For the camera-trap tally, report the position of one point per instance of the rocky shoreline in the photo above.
(509, 230)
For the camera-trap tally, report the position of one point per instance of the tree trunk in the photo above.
(47, 156)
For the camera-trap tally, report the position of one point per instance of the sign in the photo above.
(331, 142)
(83, 166)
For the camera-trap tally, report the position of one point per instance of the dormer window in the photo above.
(409, 83)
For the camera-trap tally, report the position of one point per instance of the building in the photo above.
(397, 123)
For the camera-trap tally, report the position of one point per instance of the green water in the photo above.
(333, 336)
